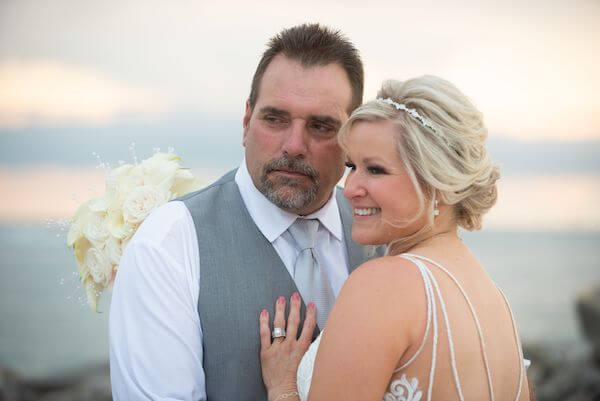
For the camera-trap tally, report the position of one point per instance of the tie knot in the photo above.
(304, 232)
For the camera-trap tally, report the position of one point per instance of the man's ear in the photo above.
(246, 121)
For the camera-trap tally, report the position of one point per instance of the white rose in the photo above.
(141, 201)
(80, 248)
(113, 250)
(116, 174)
(99, 266)
(166, 156)
(77, 224)
(116, 225)
(114, 181)
(159, 171)
(95, 229)
(128, 181)
(185, 182)
(100, 205)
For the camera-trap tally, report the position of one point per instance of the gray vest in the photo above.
(240, 274)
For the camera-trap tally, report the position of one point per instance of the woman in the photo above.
(425, 321)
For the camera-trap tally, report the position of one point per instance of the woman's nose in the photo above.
(353, 187)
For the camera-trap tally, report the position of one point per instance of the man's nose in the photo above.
(296, 140)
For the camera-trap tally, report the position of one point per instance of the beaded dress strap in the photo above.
(432, 290)
(430, 283)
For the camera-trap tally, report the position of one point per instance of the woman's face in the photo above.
(380, 191)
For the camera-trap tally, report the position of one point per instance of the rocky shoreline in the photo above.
(89, 384)
(558, 374)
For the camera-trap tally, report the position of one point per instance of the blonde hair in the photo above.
(449, 162)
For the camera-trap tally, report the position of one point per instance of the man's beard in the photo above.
(285, 192)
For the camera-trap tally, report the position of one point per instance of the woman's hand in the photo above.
(280, 358)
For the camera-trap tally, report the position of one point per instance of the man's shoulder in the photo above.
(343, 203)
(339, 193)
(209, 191)
(165, 220)
(213, 204)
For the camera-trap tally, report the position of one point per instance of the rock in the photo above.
(89, 384)
(13, 387)
(93, 388)
(543, 363)
(571, 382)
(588, 307)
(558, 376)
(9, 385)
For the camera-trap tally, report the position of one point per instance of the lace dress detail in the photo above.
(405, 389)
(305, 369)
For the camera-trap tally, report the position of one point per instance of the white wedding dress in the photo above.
(408, 389)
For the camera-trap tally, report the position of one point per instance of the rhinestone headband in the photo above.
(411, 112)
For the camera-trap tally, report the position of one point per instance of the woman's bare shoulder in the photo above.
(386, 293)
(373, 307)
(392, 279)
(386, 270)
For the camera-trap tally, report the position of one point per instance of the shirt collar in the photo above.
(273, 221)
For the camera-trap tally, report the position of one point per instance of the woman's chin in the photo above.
(365, 239)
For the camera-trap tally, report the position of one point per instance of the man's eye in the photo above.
(274, 120)
(322, 128)
(376, 170)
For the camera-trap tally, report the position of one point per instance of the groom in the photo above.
(193, 280)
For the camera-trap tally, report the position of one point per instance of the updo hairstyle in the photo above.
(450, 162)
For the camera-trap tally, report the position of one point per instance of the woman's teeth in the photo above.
(367, 212)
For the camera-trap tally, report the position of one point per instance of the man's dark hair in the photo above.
(313, 45)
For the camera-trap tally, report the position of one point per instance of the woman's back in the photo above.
(467, 330)
(420, 297)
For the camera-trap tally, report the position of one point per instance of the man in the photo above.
(192, 282)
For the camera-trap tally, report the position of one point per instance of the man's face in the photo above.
(292, 151)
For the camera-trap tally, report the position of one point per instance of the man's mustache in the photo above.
(291, 164)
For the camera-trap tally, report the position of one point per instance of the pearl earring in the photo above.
(436, 211)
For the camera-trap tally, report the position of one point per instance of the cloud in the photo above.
(529, 66)
(63, 190)
(543, 202)
(51, 91)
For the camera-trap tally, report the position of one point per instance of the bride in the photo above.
(425, 321)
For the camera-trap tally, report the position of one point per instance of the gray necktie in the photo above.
(310, 278)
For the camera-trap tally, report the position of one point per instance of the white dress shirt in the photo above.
(154, 327)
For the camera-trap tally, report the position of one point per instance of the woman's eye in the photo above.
(376, 170)
(350, 165)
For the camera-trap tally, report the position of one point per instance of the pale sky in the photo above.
(78, 76)
(530, 66)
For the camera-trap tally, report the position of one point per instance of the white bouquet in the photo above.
(102, 227)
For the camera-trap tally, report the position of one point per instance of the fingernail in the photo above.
(263, 313)
(281, 300)
(311, 306)
(295, 296)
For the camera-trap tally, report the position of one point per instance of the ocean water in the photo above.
(46, 327)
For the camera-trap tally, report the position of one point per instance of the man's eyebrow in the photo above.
(274, 110)
(327, 120)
